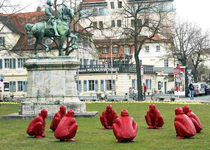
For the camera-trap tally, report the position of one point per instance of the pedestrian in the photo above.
(145, 90)
(191, 88)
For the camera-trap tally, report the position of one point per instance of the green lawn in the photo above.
(90, 134)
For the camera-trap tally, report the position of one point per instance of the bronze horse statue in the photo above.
(41, 30)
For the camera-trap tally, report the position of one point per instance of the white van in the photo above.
(199, 88)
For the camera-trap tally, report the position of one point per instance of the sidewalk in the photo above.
(201, 99)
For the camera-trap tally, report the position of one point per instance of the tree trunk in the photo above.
(140, 96)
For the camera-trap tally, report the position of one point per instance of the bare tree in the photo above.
(201, 48)
(146, 20)
(189, 46)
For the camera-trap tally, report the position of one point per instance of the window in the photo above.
(95, 12)
(120, 4)
(132, 23)
(2, 41)
(48, 41)
(108, 85)
(6, 87)
(95, 25)
(134, 84)
(20, 63)
(146, 48)
(101, 11)
(6, 63)
(127, 49)
(115, 49)
(146, 23)
(113, 23)
(119, 23)
(91, 85)
(20, 86)
(101, 24)
(165, 63)
(139, 23)
(149, 84)
(140, 62)
(157, 48)
(105, 50)
(112, 5)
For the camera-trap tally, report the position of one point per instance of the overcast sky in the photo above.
(192, 10)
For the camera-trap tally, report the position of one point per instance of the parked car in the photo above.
(207, 89)
(199, 88)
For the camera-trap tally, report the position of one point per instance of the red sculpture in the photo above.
(37, 125)
(124, 128)
(183, 125)
(67, 127)
(153, 118)
(108, 116)
(57, 118)
(193, 117)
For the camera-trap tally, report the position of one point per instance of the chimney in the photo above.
(38, 9)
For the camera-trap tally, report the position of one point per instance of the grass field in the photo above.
(90, 134)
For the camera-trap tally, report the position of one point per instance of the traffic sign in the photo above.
(106, 61)
(142, 67)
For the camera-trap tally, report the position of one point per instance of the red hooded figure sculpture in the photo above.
(124, 127)
(67, 127)
(37, 126)
(193, 118)
(183, 125)
(153, 118)
(108, 116)
(57, 118)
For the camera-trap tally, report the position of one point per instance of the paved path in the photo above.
(203, 98)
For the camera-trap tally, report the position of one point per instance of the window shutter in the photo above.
(24, 86)
(10, 63)
(14, 63)
(96, 63)
(0, 63)
(150, 85)
(85, 85)
(133, 83)
(113, 85)
(102, 85)
(96, 85)
(79, 86)
(14, 86)
(10, 86)
(3, 41)
(24, 60)
(91, 62)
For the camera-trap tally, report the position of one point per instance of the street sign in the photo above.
(142, 67)
(1, 78)
(189, 70)
(106, 61)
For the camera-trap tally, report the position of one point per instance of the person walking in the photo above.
(145, 90)
(191, 88)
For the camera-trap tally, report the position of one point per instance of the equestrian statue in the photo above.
(53, 27)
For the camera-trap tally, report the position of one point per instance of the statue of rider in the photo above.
(50, 19)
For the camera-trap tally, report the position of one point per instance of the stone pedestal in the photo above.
(50, 84)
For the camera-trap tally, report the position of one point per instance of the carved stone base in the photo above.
(50, 84)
